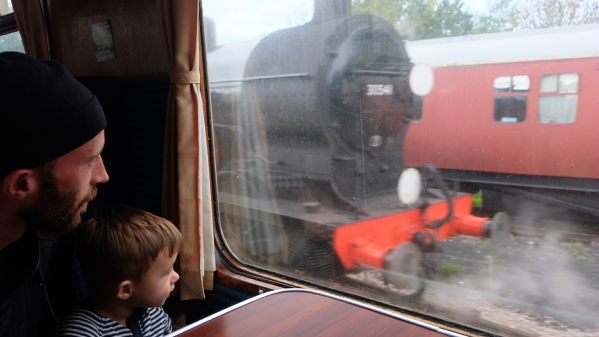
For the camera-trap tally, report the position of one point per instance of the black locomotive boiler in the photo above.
(331, 98)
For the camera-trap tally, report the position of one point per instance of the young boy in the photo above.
(127, 257)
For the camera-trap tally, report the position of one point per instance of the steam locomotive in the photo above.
(309, 128)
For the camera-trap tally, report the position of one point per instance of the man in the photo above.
(51, 137)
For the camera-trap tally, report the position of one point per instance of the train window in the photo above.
(503, 84)
(558, 100)
(312, 125)
(549, 83)
(510, 109)
(10, 39)
(509, 106)
(562, 83)
(557, 109)
(11, 42)
(520, 83)
(568, 83)
(5, 7)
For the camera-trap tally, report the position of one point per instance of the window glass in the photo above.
(503, 84)
(557, 109)
(512, 84)
(511, 106)
(11, 42)
(521, 83)
(568, 83)
(549, 83)
(5, 7)
(314, 123)
(510, 109)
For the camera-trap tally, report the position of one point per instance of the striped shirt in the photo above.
(153, 322)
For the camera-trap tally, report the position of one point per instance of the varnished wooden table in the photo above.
(307, 313)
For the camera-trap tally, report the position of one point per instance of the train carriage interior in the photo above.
(437, 160)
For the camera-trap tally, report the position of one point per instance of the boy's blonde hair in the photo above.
(121, 242)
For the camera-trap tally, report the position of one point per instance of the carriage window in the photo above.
(510, 109)
(512, 84)
(503, 84)
(510, 104)
(520, 83)
(314, 127)
(558, 101)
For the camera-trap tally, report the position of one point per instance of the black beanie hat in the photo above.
(44, 112)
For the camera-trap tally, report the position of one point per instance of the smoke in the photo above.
(545, 284)
(542, 280)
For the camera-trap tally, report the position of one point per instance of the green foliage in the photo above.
(431, 19)
(577, 249)
(533, 14)
(389, 10)
(425, 19)
(477, 199)
(420, 19)
(449, 269)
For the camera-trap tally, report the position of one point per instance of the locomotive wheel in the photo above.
(405, 270)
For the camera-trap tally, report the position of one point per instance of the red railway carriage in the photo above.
(524, 112)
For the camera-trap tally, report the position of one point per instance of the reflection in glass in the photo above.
(557, 109)
(503, 84)
(521, 83)
(549, 83)
(568, 83)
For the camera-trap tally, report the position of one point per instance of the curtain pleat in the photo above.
(31, 22)
(187, 194)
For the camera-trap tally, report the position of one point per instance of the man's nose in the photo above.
(100, 174)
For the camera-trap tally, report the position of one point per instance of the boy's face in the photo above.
(157, 283)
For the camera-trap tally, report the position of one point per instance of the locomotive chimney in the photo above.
(331, 9)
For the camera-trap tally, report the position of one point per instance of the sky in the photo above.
(239, 20)
(478, 7)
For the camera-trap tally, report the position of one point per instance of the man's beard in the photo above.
(55, 210)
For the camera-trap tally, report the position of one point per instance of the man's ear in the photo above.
(124, 290)
(20, 184)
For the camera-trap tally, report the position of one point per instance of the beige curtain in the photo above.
(187, 199)
(31, 22)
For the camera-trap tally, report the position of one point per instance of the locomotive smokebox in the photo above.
(335, 102)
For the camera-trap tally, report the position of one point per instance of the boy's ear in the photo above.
(124, 290)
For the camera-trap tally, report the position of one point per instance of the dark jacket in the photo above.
(25, 308)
